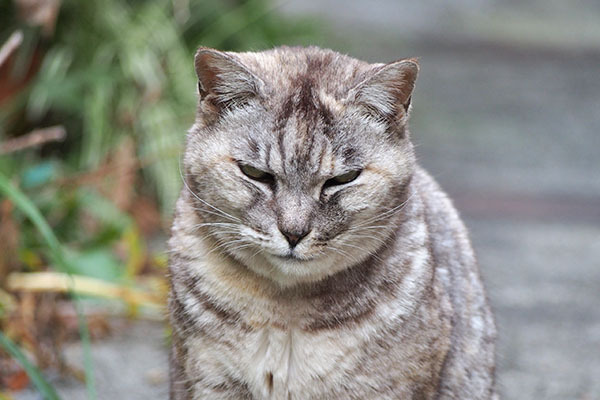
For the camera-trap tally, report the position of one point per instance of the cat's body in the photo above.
(363, 288)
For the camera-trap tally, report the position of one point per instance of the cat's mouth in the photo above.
(291, 256)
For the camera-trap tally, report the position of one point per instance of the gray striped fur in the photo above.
(381, 300)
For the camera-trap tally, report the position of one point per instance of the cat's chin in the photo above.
(290, 270)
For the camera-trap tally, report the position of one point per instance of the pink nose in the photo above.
(295, 237)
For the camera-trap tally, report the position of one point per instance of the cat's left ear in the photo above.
(223, 81)
(388, 90)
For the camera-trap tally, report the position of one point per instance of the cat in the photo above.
(310, 256)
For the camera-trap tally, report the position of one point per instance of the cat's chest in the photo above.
(282, 363)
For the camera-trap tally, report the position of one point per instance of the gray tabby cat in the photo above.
(311, 257)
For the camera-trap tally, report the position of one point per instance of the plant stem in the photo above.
(56, 249)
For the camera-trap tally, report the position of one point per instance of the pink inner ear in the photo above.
(390, 87)
(399, 77)
(207, 72)
(224, 82)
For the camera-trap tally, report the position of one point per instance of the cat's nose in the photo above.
(294, 237)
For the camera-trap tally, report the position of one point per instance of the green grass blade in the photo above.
(45, 389)
(30, 210)
(84, 333)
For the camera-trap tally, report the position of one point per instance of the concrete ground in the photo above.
(132, 364)
(506, 118)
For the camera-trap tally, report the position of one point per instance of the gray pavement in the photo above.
(544, 284)
(130, 365)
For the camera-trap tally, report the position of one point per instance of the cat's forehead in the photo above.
(302, 103)
(302, 125)
(308, 128)
(288, 70)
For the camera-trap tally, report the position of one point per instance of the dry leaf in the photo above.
(39, 13)
(9, 240)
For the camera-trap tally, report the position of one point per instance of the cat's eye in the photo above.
(256, 174)
(343, 179)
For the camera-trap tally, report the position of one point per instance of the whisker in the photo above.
(214, 236)
(362, 250)
(201, 200)
(385, 214)
(213, 213)
(224, 244)
(257, 252)
(378, 239)
(240, 247)
(361, 228)
(343, 253)
(226, 224)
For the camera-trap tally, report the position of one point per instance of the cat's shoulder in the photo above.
(434, 198)
(444, 222)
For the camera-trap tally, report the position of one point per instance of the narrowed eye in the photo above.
(256, 174)
(343, 179)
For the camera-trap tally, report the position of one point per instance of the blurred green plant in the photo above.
(45, 389)
(57, 254)
(116, 68)
(117, 76)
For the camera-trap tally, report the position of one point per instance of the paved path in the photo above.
(130, 365)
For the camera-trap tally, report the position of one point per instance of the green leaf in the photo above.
(98, 263)
(45, 389)
(56, 249)
(31, 211)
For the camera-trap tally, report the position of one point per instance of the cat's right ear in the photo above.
(387, 92)
(223, 81)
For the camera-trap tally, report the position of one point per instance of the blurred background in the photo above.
(95, 100)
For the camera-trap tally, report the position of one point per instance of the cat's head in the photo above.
(299, 160)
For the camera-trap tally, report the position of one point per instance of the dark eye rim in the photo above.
(342, 179)
(264, 176)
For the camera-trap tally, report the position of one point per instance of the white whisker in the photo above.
(385, 214)
(224, 214)
(362, 250)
